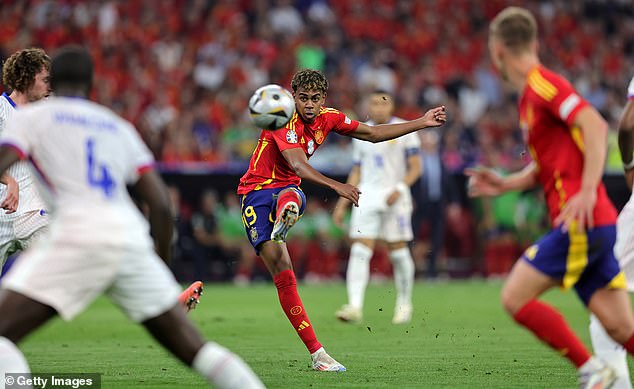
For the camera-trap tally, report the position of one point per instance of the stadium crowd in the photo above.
(182, 71)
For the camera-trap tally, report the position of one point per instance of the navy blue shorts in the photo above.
(584, 260)
(258, 213)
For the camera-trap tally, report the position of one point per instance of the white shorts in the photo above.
(17, 233)
(624, 246)
(68, 274)
(390, 225)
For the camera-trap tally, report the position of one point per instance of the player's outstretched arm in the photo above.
(580, 207)
(433, 118)
(342, 204)
(485, 182)
(626, 142)
(153, 192)
(299, 163)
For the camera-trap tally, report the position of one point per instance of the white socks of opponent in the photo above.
(224, 369)
(611, 353)
(358, 274)
(11, 360)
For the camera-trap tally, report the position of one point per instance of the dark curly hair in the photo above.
(19, 70)
(309, 79)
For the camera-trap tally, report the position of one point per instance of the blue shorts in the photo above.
(584, 260)
(258, 213)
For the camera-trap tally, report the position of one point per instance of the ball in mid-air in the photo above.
(271, 107)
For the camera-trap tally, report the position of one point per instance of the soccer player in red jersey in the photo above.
(272, 200)
(567, 139)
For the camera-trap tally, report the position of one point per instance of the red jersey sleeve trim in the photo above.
(141, 170)
(21, 154)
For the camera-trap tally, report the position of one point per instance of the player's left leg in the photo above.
(278, 262)
(611, 352)
(403, 264)
(20, 315)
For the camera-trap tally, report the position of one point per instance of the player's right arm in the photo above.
(342, 204)
(299, 163)
(626, 137)
(433, 118)
(486, 182)
(154, 193)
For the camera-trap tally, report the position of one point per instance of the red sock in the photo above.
(549, 326)
(629, 345)
(289, 195)
(294, 309)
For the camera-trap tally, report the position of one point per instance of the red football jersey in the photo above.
(548, 107)
(268, 167)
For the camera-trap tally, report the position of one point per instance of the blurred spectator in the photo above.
(209, 260)
(433, 194)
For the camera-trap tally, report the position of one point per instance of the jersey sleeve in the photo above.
(19, 134)
(557, 96)
(630, 90)
(411, 143)
(341, 123)
(139, 158)
(286, 138)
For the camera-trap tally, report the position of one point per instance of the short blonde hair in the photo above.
(514, 27)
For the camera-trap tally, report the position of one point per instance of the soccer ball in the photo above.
(271, 107)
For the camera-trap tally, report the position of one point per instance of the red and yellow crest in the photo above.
(319, 136)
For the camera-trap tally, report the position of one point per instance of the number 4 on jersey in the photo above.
(98, 175)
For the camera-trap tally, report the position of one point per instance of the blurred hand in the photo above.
(391, 199)
(484, 182)
(11, 201)
(434, 117)
(578, 210)
(349, 192)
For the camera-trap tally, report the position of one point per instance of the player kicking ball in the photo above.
(567, 139)
(26, 74)
(271, 198)
(98, 240)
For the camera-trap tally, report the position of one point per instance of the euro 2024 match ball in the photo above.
(271, 107)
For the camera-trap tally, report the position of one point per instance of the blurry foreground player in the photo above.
(26, 73)
(272, 200)
(567, 139)
(605, 348)
(384, 172)
(98, 241)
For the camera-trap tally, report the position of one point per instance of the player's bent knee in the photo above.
(509, 301)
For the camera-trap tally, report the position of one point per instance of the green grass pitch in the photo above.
(459, 338)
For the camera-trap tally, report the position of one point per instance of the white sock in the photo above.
(11, 360)
(403, 275)
(224, 369)
(358, 274)
(610, 352)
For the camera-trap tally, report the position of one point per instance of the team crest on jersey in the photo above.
(254, 234)
(319, 137)
(311, 147)
(291, 136)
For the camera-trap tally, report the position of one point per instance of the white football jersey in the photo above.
(84, 155)
(630, 89)
(21, 172)
(383, 165)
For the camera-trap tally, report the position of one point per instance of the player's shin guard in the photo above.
(403, 275)
(358, 274)
(11, 360)
(549, 326)
(610, 352)
(292, 306)
(224, 369)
